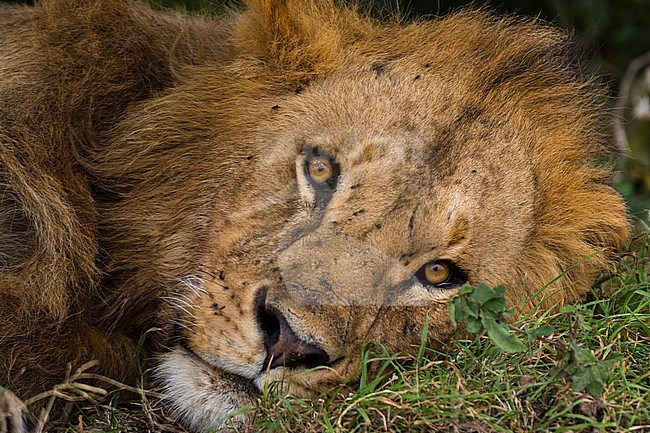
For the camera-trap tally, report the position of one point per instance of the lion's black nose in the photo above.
(283, 347)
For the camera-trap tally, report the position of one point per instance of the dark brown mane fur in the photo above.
(63, 88)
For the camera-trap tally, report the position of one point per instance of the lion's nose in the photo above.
(283, 346)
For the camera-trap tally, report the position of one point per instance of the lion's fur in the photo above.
(65, 81)
(132, 139)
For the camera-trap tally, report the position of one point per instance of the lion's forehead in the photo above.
(438, 163)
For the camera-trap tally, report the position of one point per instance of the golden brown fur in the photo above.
(151, 173)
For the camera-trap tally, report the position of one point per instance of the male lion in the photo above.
(278, 187)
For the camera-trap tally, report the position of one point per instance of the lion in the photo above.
(264, 193)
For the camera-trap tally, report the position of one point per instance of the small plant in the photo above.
(484, 308)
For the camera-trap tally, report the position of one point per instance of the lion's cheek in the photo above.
(401, 329)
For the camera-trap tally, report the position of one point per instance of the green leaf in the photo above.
(581, 379)
(501, 336)
(591, 379)
(543, 331)
(490, 314)
(595, 389)
(461, 309)
(465, 290)
(566, 309)
(582, 356)
(500, 290)
(484, 307)
(473, 324)
(472, 309)
(496, 304)
(482, 293)
(590, 374)
(599, 378)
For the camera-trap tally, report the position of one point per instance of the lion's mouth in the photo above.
(283, 349)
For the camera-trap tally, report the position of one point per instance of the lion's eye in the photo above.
(320, 169)
(323, 173)
(437, 272)
(441, 274)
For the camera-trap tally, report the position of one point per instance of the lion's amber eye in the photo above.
(440, 273)
(437, 272)
(320, 169)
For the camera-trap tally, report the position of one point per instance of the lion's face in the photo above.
(364, 209)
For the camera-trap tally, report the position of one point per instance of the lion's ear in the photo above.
(298, 36)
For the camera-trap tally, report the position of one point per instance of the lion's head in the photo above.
(337, 180)
(329, 181)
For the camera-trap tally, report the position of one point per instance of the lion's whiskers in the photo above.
(180, 304)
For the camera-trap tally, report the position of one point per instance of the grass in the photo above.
(586, 370)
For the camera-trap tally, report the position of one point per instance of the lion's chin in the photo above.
(307, 382)
(204, 397)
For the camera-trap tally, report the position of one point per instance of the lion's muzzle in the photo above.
(328, 281)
